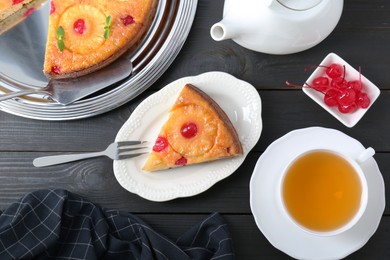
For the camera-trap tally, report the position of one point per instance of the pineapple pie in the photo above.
(197, 131)
(86, 35)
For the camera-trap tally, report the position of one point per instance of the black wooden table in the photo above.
(362, 37)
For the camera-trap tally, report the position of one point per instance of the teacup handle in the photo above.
(365, 155)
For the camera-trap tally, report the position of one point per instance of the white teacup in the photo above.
(319, 199)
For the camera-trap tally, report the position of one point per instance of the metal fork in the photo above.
(115, 151)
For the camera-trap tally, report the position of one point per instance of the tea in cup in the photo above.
(324, 192)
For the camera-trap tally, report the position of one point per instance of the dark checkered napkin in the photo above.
(57, 224)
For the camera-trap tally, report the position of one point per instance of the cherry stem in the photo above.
(317, 66)
(314, 67)
(310, 67)
(293, 85)
(298, 86)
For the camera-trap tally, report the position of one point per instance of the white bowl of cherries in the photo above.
(341, 90)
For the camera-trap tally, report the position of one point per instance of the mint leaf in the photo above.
(109, 20)
(107, 27)
(106, 33)
(61, 45)
(60, 33)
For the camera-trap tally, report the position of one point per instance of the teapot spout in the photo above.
(223, 31)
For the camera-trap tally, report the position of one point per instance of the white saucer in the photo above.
(281, 232)
(241, 102)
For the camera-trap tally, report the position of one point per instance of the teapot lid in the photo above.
(299, 5)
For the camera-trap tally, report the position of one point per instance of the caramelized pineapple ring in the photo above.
(199, 144)
(91, 36)
(4, 4)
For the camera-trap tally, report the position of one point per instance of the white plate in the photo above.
(281, 232)
(238, 99)
(348, 119)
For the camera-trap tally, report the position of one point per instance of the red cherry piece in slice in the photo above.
(160, 144)
(331, 97)
(181, 161)
(56, 69)
(79, 26)
(355, 85)
(29, 12)
(362, 100)
(347, 97)
(189, 130)
(15, 2)
(320, 83)
(334, 70)
(128, 20)
(52, 7)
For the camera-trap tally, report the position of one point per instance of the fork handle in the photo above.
(58, 159)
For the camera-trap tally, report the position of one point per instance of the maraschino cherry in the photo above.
(160, 144)
(189, 130)
(182, 161)
(79, 26)
(320, 83)
(339, 83)
(330, 97)
(363, 100)
(334, 70)
(15, 2)
(348, 96)
(52, 7)
(127, 20)
(56, 69)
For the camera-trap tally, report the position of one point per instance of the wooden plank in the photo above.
(282, 111)
(95, 180)
(90, 134)
(201, 54)
(361, 38)
(250, 243)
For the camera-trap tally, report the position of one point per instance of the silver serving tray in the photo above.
(22, 53)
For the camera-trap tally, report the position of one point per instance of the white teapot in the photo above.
(277, 26)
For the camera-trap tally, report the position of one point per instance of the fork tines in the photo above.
(130, 149)
(125, 143)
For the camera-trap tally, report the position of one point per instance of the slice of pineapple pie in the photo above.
(86, 35)
(197, 131)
